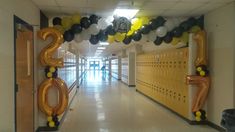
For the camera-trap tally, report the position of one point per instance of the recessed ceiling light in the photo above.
(102, 48)
(128, 13)
(104, 43)
(97, 51)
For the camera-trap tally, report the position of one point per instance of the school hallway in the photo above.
(104, 104)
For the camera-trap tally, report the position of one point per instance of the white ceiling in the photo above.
(105, 8)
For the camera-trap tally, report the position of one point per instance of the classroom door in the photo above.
(24, 80)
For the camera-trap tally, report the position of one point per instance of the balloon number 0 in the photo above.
(47, 52)
(46, 59)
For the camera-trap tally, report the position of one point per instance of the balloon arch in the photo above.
(121, 29)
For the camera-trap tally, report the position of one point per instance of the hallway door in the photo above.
(24, 80)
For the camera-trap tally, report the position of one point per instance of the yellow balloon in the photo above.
(136, 23)
(175, 41)
(198, 113)
(198, 118)
(119, 37)
(185, 37)
(49, 118)
(145, 20)
(59, 28)
(51, 124)
(195, 29)
(52, 69)
(76, 18)
(199, 69)
(202, 73)
(130, 32)
(49, 74)
(111, 39)
(66, 22)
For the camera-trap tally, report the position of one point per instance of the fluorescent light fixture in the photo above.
(99, 51)
(101, 48)
(128, 13)
(104, 43)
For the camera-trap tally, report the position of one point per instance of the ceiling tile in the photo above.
(187, 6)
(45, 2)
(159, 5)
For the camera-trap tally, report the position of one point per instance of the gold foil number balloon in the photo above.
(200, 39)
(46, 55)
(203, 84)
(43, 96)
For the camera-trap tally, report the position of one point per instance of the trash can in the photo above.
(228, 120)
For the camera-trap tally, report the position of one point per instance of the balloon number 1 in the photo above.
(46, 59)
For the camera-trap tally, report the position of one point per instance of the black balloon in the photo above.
(110, 30)
(177, 32)
(200, 22)
(160, 20)
(68, 36)
(127, 40)
(137, 36)
(94, 19)
(76, 28)
(85, 22)
(168, 38)
(94, 39)
(56, 21)
(154, 24)
(192, 21)
(185, 26)
(102, 36)
(158, 41)
(146, 29)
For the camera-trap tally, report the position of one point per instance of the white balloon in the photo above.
(152, 36)
(161, 31)
(85, 34)
(78, 38)
(176, 21)
(102, 24)
(169, 24)
(93, 29)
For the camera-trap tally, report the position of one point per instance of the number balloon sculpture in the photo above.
(202, 79)
(46, 59)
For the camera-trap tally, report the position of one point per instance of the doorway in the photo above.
(24, 76)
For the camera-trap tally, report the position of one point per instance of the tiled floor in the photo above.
(107, 105)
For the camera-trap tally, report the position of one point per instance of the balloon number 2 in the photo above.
(46, 59)
(47, 52)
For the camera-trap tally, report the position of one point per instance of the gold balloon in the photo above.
(185, 37)
(52, 69)
(66, 22)
(175, 41)
(49, 118)
(119, 36)
(43, 96)
(111, 39)
(47, 52)
(76, 18)
(203, 85)
(200, 39)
